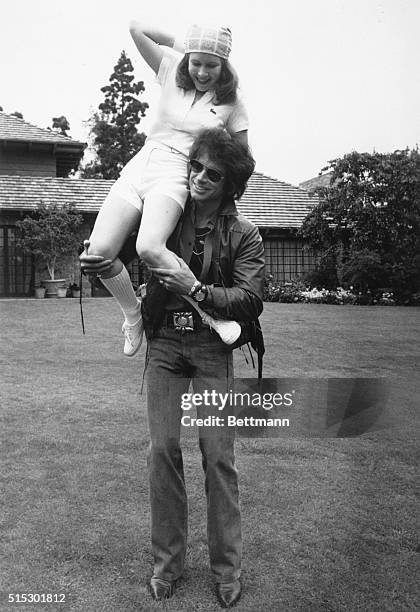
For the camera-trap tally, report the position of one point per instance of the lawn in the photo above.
(329, 523)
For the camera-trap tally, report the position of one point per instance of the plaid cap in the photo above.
(216, 41)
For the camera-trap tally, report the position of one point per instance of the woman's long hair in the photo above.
(226, 87)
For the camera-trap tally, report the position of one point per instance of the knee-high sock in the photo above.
(121, 288)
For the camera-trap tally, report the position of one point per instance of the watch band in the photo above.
(196, 286)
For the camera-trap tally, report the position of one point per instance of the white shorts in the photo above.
(153, 170)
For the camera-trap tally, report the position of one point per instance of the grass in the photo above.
(329, 523)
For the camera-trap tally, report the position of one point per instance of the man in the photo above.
(222, 269)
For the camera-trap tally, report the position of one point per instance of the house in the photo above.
(34, 166)
(279, 209)
(26, 152)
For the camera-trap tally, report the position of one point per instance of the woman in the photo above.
(199, 91)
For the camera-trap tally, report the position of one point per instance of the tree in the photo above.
(50, 234)
(368, 220)
(61, 124)
(114, 128)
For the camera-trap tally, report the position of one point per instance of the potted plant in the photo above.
(75, 290)
(62, 291)
(39, 293)
(50, 233)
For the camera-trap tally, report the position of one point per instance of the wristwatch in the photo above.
(200, 293)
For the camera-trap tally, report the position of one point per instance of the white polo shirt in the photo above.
(178, 121)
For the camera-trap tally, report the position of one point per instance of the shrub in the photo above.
(368, 219)
(364, 270)
(295, 291)
(415, 299)
(292, 291)
(325, 273)
(50, 233)
(386, 299)
(271, 289)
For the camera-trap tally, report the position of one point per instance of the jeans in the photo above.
(175, 359)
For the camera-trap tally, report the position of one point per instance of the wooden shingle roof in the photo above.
(14, 129)
(267, 202)
(24, 192)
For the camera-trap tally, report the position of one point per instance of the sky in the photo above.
(320, 78)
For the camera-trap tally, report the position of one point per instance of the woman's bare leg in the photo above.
(116, 220)
(159, 218)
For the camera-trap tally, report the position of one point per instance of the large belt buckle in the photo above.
(183, 321)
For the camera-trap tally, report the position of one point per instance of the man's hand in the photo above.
(93, 264)
(178, 281)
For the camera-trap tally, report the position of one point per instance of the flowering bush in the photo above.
(292, 291)
(386, 299)
(314, 296)
(346, 296)
(295, 291)
(271, 289)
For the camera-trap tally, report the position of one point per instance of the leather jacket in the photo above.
(233, 269)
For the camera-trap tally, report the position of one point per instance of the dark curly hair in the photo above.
(226, 86)
(226, 151)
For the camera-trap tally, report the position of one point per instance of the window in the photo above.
(287, 258)
(16, 267)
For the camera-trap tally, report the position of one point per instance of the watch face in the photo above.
(199, 296)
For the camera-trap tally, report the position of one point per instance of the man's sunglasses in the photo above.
(213, 175)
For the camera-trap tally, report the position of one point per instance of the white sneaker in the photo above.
(229, 331)
(133, 337)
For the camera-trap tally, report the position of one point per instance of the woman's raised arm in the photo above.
(148, 40)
